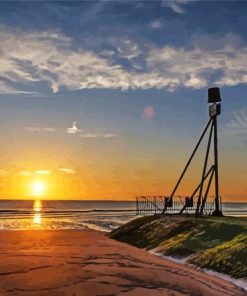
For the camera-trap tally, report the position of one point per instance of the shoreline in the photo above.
(242, 283)
(87, 262)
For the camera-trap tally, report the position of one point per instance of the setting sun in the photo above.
(38, 188)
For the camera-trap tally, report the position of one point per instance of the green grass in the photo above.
(214, 243)
(229, 257)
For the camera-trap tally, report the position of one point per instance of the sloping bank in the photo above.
(219, 244)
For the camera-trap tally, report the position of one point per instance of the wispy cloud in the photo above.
(42, 172)
(176, 5)
(89, 135)
(40, 129)
(125, 47)
(66, 170)
(7, 89)
(83, 134)
(157, 24)
(106, 136)
(3, 172)
(25, 173)
(27, 58)
(196, 67)
(109, 136)
(74, 130)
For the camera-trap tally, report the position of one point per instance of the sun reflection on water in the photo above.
(37, 217)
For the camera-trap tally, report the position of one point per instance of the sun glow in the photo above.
(38, 188)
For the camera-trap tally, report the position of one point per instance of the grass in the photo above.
(229, 257)
(215, 243)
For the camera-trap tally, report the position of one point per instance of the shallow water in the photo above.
(98, 215)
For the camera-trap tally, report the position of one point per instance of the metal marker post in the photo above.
(214, 111)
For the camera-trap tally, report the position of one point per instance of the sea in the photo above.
(101, 215)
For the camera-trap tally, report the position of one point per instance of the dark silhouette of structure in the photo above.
(182, 204)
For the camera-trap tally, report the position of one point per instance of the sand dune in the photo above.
(88, 263)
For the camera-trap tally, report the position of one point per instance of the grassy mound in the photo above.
(214, 243)
(229, 258)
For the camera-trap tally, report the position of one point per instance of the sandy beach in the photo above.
(70, 262)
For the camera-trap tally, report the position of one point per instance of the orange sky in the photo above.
(109, 103)
(124, 181)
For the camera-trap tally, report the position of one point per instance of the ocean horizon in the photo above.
(102, 215)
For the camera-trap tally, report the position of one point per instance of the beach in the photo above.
(87, 262)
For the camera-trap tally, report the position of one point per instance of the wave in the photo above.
(10, 211)
(65, 211)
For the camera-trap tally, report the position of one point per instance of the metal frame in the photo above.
(150, 203)
(213, 172)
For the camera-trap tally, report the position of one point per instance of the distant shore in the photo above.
(75, 262)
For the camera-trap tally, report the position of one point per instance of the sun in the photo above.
(38, 188)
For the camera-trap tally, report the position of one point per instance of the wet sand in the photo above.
(71, 262)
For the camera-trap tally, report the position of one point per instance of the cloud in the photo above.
(92, 13)
(49, 56)
(33, 129)
(107, 53)
(25, 173)
(45, 172)
(156, 24)
(74, 129)
(224, 64)
(28, 58)
(106, 136)
(39, 129)
(176, 5)
(125, 47)
(42, 172)
(49, 129)
(109, 136)
(89, 135)
(3, 172)
(6, 89)
(66, 170)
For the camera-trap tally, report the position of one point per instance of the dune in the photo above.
(73, 262)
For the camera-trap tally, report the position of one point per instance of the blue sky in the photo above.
(133, 75)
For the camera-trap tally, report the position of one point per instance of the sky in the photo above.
(107, 99)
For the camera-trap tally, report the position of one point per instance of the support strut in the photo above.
(188, 163)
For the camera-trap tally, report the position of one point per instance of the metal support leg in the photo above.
(188, 163)
(197, 188)
(217, 211)
(204, 171)
(206, 193)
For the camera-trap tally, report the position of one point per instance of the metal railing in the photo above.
(148, 205)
